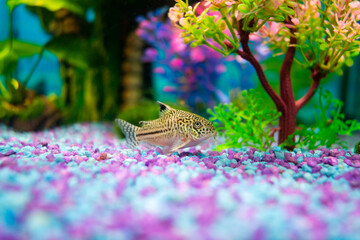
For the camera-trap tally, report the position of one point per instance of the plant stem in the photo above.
(287, 122)
(215, 48)
(262, 24)
(10, 29)
(234, 45)
(3, 90)
(230, 28)
(218, 41)
(34, 67)
(304, 56)
(247, 55)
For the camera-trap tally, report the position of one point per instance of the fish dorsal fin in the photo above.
(163, 108)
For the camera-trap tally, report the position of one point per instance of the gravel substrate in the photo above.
(80, 182)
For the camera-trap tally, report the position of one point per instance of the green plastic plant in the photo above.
(357, 148)
(248, 127)
(327, 130)
(325, 34)
(89, 71)
(16, 100)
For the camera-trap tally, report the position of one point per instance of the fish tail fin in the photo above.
(129, 131)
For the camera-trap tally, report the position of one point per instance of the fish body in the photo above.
(175, 129)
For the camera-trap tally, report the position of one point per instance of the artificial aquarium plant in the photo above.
(252, 126)
(21, 107)
(88, 37)
(326, 130)
(357, 148)
(321, 36)
(192, 74)
(250, 123)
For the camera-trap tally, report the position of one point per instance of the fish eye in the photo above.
(197, 124)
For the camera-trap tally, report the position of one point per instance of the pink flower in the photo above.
(150, 55)
(159, 70)
(354, 5)
(197, 55)
(177, 63)
(175, 14)
(295, 21)
(169, 89)
(220, 68)
(177, 45)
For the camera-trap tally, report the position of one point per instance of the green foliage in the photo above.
(10, 54)
(357, 148)
(28, 111)
(14, 93)
(248, 127)
(327, 130)
(326, 31)
(53, 5)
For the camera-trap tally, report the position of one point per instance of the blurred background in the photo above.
(89, 60)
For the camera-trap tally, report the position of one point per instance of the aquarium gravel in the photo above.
(81, 182)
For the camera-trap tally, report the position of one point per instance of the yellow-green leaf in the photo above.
(52, 5)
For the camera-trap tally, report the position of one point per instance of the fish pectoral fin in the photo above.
(180, 143)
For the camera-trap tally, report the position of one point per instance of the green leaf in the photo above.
(349, 62)
(52, 5)
(10, 56)
(20, 48)
(243, 8)
(286, 10)
(246, 127)
(326, 133)
(16, 91)
(324, 46)
(339, 71)
(278, 18)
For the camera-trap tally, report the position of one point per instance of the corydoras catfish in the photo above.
(174, 129)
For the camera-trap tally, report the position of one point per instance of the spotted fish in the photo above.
(174, 129)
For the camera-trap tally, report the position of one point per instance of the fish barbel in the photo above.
(174, 129)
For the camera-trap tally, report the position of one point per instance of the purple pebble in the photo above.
(287, 155)
(291, 160)
(353, 177)
(269, 157)
(67, 159)
(261, 167)
(266, 171)
(50, 157)
(237, 156)
(334, 152)
(294, 168)
(331, 161)
(348, 162)
(316, 169)
(278, 161)
(312, 162)
(356, 163)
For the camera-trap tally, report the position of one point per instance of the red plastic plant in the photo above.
(325, 33)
